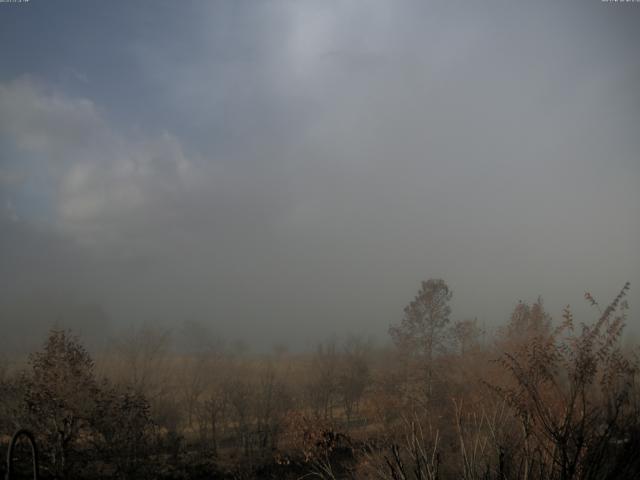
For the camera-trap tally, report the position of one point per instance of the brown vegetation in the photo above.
(539, 401)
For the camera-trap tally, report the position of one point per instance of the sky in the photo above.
(282, 171)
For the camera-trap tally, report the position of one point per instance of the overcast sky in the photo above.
(283, 171)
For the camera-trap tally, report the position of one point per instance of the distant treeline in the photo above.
(539, 399)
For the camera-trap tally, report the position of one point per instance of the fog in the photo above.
(285, 171)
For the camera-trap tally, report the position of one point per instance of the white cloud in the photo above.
(100, 176)
(120, 191)
(46, 122)
(128, 181)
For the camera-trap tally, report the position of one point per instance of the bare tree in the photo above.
(143, 355)
(466, 334)
(273, 402)
(211, 412)
(354, 376)
(240, 400)
(422, 332)
(322, 386)
(194, 377)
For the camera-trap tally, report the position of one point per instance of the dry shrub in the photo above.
(570, 392)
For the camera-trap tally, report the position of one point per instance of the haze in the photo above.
(285, 171)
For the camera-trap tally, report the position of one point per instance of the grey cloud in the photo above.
(314, 162)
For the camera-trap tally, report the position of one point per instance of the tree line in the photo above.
(537, 400)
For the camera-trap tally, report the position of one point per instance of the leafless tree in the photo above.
(143, 355)
(273, 402)
(322, 386)
(193, 380)
(211, 412)
(240, 401)
(422, 332)
(354, 376)
(466, 334)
